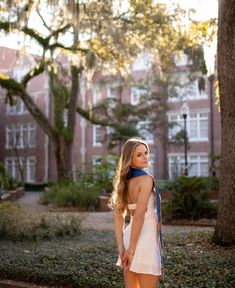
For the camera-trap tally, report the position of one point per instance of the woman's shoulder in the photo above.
(142, 179)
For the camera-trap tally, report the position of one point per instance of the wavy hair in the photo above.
(119, 195)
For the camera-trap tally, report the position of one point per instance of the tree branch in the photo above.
(87, 114)
(32, 73)
(15, 88)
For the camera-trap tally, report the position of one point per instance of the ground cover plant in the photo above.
(18, 224)
(88, 261)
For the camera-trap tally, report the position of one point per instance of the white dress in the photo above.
(147, 257)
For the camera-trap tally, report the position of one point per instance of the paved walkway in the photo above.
(97, 220)
(31, 200)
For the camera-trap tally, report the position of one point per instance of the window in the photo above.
(10, 139)
(97, 93)
(198, 165)
(18, 108)
(144, 131)
(197, 126)
(114, 93)
(142, 62)
(31, 136)
(11, 167)
(22, 167)
(96, 160)
(110, 130)
(186, 91)
(14, 167)
(176, 125)
(182, 60)
(136, 94)
(21, 136)
(31, 169)
(97, 135)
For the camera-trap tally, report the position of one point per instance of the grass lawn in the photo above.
(88, 261)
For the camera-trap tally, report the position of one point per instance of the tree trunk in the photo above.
(60, 149)
(225, 226)
(72, 112)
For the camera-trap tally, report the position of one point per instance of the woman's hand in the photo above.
(121, 252)
(128, 257)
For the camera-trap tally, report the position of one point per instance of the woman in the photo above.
(139, 243)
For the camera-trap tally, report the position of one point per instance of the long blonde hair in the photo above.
(119, 195)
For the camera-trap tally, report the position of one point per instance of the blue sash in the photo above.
(134, 172)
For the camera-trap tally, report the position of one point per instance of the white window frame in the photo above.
(18, 109)
(136, 94)
(149, 140)
(190, 92)
(31, 136)
(97, 93)
(95, 142)
(21, 130)
(110, 86)
(110, 130)
(141, 62)
(96, 160)
(29, 169)
(181, 160)
(180, 124)
(15, 163)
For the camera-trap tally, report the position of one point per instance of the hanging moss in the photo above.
(196, 55)
(44, 42)
(201, 84)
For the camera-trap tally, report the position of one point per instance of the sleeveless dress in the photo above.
(147, 257)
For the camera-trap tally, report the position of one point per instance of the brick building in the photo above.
(27, 153)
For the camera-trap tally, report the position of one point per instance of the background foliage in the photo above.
(190, 199)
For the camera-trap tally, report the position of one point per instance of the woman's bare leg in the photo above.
(148, 280)
(131, 279)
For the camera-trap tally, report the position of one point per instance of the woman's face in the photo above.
(140, 157)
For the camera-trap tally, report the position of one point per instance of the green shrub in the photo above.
(19, 224)
(83, 194)
(190, 199)
(164, 185)
(7, 182)
(103, 173)
(211, 183)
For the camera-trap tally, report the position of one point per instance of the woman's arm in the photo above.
(145, 188)
(118, 227)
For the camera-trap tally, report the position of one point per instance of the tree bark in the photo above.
(225, 226)
(72, 112)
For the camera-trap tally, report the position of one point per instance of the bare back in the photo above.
(134, 188)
